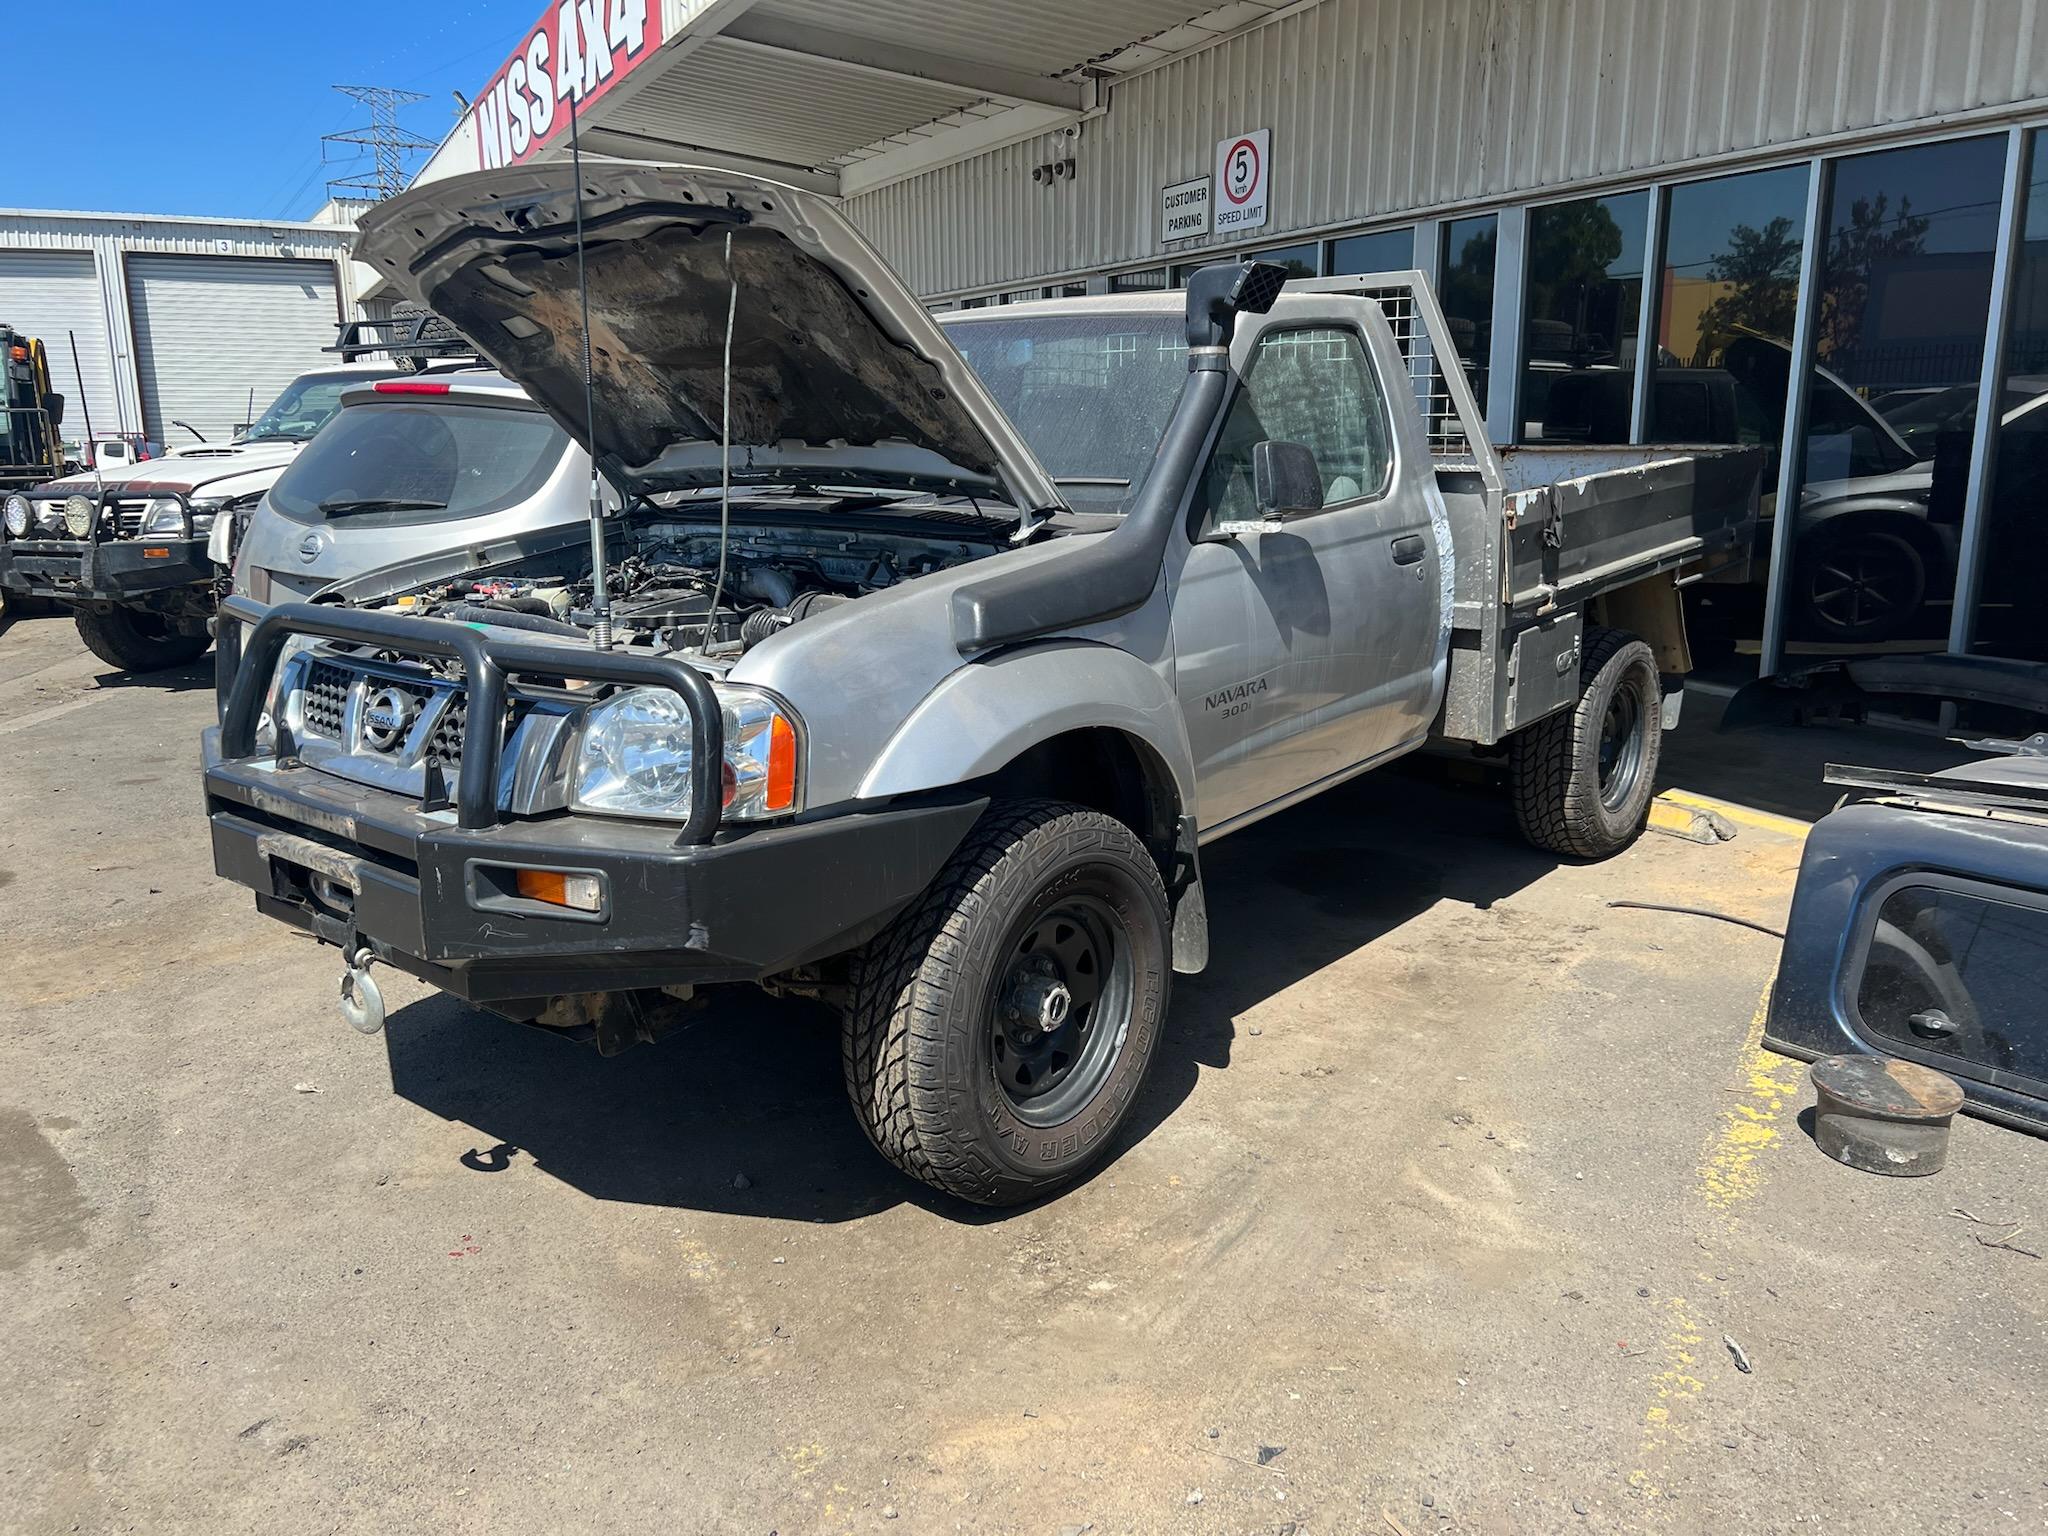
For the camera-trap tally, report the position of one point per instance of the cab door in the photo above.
(1309, 643)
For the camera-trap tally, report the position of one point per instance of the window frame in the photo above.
(1863, 933)
(1396, 455)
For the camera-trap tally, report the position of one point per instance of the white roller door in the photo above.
(213, 331)
(52, 293)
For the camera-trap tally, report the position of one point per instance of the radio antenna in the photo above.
(732, 304)
(600, 594)
(85, 405)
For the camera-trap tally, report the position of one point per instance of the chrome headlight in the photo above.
(164, 515)
(79, 512)
(633, 757)
(17, 517)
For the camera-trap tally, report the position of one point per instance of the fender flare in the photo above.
(990, 710)
(993, 709)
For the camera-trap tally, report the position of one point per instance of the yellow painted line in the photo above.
(1741, 815)
(1731, 1171)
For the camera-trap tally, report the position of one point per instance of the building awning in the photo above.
(837, 97)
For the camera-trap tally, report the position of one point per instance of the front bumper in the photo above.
(113, 571)
(426, 885)
(361, 869)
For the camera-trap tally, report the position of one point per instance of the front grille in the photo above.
(444, 742)
(330, 688)
(325, 699)
(128, 518)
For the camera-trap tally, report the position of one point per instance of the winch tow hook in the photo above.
(362, 1003)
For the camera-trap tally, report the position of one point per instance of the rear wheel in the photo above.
(137, 641)
(1582, 778)
(1000, 1029)
(1860, 586)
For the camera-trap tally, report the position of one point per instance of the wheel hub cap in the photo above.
(1039, 1004)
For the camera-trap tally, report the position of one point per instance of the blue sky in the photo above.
(141, 106)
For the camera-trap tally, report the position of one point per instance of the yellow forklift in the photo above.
(31, 416)
(30, 449)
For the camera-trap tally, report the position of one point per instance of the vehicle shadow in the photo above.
(185, 678)
(1782, 768)
(743, 1110)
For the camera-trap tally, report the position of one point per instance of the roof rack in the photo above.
(412, 341)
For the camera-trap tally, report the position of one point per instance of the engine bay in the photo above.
(666, 590)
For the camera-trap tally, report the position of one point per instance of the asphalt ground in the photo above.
(1448, 1187)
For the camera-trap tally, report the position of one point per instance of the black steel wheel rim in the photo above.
(1060, 1009)
(1621, 747)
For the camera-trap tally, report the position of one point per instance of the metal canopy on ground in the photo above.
(842, 98)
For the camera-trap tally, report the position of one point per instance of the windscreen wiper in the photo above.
(346, 504)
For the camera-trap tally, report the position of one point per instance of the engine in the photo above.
(667, 591)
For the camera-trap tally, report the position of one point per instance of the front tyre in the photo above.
(1001, 1027)
(136, 641)
(1582, 779)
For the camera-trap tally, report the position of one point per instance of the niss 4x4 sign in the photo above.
(574, 53)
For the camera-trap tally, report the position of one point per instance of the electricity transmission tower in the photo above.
(389, 145)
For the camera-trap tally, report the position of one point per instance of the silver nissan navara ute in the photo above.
(920, 664)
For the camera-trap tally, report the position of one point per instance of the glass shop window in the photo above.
(2009, 620)
(1904, 299)
(1581, 319)
(1466, 294)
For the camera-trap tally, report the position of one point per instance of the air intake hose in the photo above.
(764, 622)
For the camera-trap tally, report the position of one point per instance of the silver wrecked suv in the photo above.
(460, 464)
(909, 700)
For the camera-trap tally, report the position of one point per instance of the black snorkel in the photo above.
(1116, 573)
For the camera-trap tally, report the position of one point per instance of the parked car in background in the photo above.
(129, 548)
(122, 450)
(460, 464)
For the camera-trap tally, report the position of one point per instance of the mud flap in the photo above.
(1190, 907)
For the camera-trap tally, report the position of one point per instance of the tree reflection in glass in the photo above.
(1584, 301)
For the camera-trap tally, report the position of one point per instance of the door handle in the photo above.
(1408, 548)
(1932, 1024)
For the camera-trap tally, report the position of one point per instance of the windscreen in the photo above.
(1090, 393)
(300, 411)
(419, 461)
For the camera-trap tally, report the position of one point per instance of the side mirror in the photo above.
(1285, 479)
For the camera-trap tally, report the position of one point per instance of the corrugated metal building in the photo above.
(177, 320)
(1386, 108)
(1817, 225)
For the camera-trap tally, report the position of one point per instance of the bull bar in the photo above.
(245, 667)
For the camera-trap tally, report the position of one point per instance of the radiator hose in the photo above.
(508, 618)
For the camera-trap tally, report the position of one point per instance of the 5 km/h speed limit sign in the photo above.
(1244, 174)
